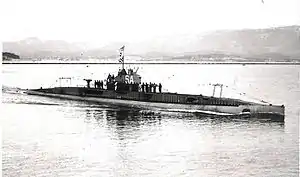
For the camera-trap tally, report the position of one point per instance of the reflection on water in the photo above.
(54, 137)
(124, 116)
(116, 141)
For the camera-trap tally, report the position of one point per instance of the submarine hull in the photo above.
(168, 101)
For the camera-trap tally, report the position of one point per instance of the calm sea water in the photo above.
(53, 137)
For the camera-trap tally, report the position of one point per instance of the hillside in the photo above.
(34, 47)
(9, 56)
(272, 44)
(260, 43)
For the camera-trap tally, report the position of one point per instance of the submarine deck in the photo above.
(168, 101)
(163, 97)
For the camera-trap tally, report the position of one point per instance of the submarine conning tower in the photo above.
(125, 81)
(129, 77)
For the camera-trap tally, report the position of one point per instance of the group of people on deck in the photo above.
(98, 84)
(144, 87)
(110, 78)
(151, 87)
(127, 82)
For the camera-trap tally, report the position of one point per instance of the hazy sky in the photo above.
(103, 21)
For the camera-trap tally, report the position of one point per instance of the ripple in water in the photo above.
(53, 137)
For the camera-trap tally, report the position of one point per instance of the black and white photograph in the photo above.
(155, 88)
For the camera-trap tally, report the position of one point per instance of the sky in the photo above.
(106, 21)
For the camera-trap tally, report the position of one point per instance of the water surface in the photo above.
(53, 137)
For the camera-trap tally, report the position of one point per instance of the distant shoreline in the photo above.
(130, 63)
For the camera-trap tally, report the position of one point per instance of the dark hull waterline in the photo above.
(165, 101)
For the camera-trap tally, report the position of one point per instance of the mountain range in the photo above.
(275, 44)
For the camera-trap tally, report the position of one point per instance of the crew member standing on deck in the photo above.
(150, 87)
(147, 87)
(109, 78)
(159, 87)
(143, 87)
(101, 84)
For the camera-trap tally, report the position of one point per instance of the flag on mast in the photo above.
(121, 50)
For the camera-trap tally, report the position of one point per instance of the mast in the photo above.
(121, 59)
(221, 89)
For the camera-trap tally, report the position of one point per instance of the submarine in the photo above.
(127, 89)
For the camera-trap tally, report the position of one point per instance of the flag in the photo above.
(121, 50)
